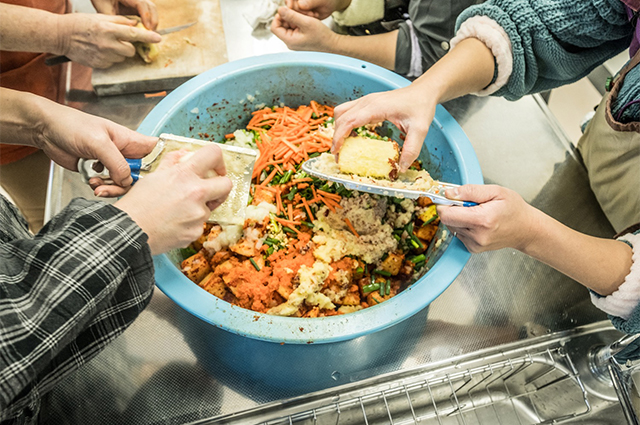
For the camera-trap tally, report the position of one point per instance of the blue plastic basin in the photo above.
(220, 101)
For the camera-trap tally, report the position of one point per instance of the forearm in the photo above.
(26, 29)
(23, 116)
(467, 68)
(379, 49)
(599, 264)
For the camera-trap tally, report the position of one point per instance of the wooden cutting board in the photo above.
(183, 54)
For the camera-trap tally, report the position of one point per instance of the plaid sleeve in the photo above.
(64, 295)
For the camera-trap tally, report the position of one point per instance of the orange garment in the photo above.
(28, 72)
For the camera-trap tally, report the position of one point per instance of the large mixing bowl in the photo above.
(220, 101)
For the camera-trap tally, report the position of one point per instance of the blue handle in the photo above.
(469, 204)
(134, 165)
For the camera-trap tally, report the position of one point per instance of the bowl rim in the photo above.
(222, 314)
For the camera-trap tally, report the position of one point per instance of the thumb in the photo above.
(477, 193)
(206, 159)
(411, 148)
(293, 18)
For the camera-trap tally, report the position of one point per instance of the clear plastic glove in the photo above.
(411, 112)
(301, 32)
(501, 220)
(171, 203)
(320, 9)
(146, 9)
(98, 40)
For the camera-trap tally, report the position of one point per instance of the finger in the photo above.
(358, 115)
(218, 188)
(206, 159)
(129, 33)
(131, 143)
(293, 18)
(278, 27)
(120, 20)
(479, 193)
(148, 14)
(172, 158)
(110, 191)
(121, 50)
(411, 147)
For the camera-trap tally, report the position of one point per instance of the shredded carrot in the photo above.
(158, 94)
(302, 180)
(333, 203)
(269, 177)
(288, 223)
(279, 202)
(330, 195)
(353, 229)
(229, 136)
(290, 211)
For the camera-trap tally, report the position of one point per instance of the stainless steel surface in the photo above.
(150, 374)
(435, 192)
(541, 381)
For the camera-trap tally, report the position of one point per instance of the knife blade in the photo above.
(57, 60)
(169, 30)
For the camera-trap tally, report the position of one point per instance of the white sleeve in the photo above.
(622, 302)
(496, 39)
(360, 12)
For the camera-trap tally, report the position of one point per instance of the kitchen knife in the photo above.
(57, 60)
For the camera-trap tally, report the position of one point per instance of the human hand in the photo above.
(171, 203)
(319, 9)
(65, 142)
(145, 9)
(405, 108)
(99, 41)
(301, 32)
(501, 220)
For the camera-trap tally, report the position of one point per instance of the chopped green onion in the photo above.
(359, 270)
(285, 178)
(396, 237)
(382, 289)
(288, 229)
(417, 258)
(270, 251)
(388, 288)
(292, 193)
(415, 239)
(382, 272)
(308, 224)
(414, 243)
(272, 241)
(255, 265)
(313, 155)
(409, 228)
(370, 288)
(418, 265)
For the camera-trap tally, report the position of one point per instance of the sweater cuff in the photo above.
(623, 301)
(496, 39)
(360, 12)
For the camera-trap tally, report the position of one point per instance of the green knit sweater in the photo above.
(556, 42)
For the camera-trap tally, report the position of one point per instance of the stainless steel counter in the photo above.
(150, 374)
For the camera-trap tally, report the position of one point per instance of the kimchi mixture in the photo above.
(308, 247)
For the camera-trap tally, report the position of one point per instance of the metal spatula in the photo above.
(239, 163)
(435, 193)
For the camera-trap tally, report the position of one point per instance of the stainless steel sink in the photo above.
(542, 380)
